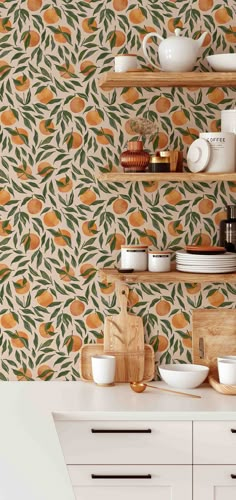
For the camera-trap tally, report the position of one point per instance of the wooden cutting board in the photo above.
(124, 333)
(89, 350)
(214, 335)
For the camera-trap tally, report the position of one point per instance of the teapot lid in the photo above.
(177, 31)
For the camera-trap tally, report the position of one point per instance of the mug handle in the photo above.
(144, 45)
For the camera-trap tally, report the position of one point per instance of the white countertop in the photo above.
(31, 462)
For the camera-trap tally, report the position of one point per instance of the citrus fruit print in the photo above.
(59, 224)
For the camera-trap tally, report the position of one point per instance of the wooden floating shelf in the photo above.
(112, 275)
(151, 79)
(169, 176)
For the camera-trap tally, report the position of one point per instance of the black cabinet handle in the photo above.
(123, 476)
(121, 431)
(233, 476)
(233, 431)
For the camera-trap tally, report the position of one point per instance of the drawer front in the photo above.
(125, 442)
(129, 482)
(214, 482)
(214, 442)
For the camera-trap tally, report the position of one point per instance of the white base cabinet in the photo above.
(216, 482)
(157, 460)
(131, 482)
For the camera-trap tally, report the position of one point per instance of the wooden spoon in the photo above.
(141, 386)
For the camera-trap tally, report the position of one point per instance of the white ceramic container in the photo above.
(134, 257)
(222, 156)
(125, 62)
(228, 120)
(222, 62)
(176, 53)
(227, 371)
(103, 369)
(184, 376)
(158, 262)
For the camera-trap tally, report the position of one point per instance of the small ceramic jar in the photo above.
(134, 257)
(125, 62)
(158, 262)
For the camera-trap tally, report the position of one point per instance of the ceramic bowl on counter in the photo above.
(183, 376)
(222, 62)
(227, 370)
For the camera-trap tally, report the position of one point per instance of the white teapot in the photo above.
(176, 53)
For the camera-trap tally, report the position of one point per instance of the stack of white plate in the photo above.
(196, 263)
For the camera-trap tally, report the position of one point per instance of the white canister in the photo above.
(158, 262)
(125, 62)
(228, 120)
(222, 156)
(103, 369)
(134, 257)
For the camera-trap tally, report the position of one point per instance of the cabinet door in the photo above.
(131, 482)
(216, 482)
(214, 443)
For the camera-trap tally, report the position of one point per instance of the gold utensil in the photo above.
(141, 386)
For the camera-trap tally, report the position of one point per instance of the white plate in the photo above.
(193, 269)
(222, 62)
(206, 264)
(200, 256)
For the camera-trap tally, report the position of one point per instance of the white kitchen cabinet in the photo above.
(164, 460)
(131, 482)
(126, 442)
(214, 482)
(214, 443)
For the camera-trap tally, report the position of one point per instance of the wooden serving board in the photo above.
(89, 350)
(229, 390)
(214, 335)
(124, 333)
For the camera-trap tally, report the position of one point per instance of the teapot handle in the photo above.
(144, 45)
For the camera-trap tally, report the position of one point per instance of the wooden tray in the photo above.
(89, 350)
(229, 390)
(214, 334)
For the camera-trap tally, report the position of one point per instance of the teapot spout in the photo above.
(200, 40)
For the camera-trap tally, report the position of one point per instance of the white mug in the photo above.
(227, 371)
(103, 369)
(222, 157)
(125, 62)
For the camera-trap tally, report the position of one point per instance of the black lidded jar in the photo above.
(228, 230)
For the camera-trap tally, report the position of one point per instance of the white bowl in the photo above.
(222, 62)
(184, 376)
(227, 371)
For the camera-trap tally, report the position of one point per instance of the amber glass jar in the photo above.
(135, 159)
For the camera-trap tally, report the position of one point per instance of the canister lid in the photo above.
(198, 155)
(159, 159)
(157, 252)
(135, 247)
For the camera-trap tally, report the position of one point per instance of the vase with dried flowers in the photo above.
(136, 159)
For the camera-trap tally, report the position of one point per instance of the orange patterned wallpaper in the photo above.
(57, 224)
